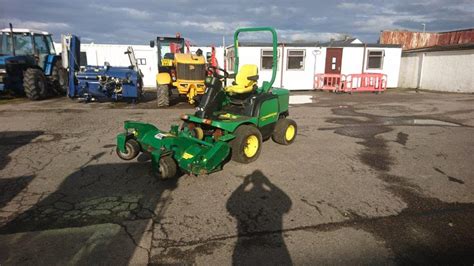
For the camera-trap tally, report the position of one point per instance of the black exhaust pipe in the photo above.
(13, 39)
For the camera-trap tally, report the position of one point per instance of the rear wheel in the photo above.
(247, 144)
(163, 95)
(285, 131)
(167, 168)
(59, 78)
(35, 85)
(132, 149)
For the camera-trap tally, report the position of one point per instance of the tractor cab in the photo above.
(29, 64)
(24, 42)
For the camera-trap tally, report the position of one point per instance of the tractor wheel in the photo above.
(59, 78)
(163, 95)
(35, 85)
(132, 149)
(285, 131)
(168, 167)
(247, 144)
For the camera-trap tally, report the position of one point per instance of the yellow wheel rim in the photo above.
(251, 146)
(290, 132)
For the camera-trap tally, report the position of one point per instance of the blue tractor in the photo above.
(92, 83)
(29, 64)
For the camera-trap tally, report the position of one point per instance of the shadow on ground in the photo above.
(12, 140)
(259, 206)
(97, 198)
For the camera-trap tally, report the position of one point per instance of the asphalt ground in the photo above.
(370, 179)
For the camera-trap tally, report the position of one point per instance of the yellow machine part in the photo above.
(191, 89)
(189, 59)
(163, 78)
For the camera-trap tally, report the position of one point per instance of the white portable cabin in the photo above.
(298, 63)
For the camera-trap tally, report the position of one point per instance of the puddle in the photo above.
(422, 122)
(301, 99)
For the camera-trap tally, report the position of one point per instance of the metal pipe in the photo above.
(282, 65)
(363, 59)
(12, 39)
(420, 71)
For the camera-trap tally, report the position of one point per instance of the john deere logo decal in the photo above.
(265, 117)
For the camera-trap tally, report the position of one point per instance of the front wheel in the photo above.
(163, 95)
(35, 85)
(132, 149)
(167, 168)
(246, 146)
(285, 131)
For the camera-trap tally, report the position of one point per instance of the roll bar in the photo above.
(266, 84)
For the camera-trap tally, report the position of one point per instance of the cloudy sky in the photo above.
(205, 22)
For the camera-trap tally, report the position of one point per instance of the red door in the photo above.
(333, 61)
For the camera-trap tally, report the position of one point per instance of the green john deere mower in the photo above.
(232, 120)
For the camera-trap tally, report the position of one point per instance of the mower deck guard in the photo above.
(191, 154)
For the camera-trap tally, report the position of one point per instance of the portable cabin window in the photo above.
(266, 61)
(295, 60)
(141, 61)
(375, 59)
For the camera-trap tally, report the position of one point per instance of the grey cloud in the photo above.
(206, 22)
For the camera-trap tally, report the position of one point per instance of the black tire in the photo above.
(240, 143)
(279, 134)
(163, 95)
(35, 84)
(132, 150)
(168, 168)
(59, 78)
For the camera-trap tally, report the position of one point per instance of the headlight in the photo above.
(132, 131)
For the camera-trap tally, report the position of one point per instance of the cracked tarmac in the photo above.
(371, 179)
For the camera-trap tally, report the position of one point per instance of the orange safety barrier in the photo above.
(331, 82)
(374, 82)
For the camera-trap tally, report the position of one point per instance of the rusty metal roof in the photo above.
(414, 40)
(450, 47)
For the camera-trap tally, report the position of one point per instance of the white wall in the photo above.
(295, 79)
(353, 58)
(440, 71)
(391, 65)
(449, 71)
(409, 71)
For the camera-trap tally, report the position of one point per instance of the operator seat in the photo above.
(245, 81)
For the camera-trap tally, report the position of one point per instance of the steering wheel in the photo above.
(215, 72)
